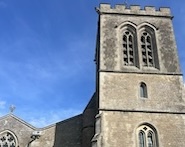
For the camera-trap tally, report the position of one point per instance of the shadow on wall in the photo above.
(77, 131)
(68, 132)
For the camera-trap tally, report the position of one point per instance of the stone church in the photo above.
(140, 96)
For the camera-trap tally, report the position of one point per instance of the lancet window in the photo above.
(129, 45)
(139, 47)
(147, 49)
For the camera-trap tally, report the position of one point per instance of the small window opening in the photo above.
(143, 90)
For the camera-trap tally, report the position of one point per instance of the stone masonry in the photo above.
(140, 94)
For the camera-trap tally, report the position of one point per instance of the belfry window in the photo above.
(7, 139)
(139, 46)
(147, 136)
(147, 49)
(129, 51)
(143, 90)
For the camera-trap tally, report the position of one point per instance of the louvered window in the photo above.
(147, 49)
(129, 58)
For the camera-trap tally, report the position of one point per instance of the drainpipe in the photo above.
(35, 135)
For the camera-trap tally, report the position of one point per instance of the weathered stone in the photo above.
(118, 109)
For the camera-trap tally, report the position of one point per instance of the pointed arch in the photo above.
(147, 136)
(129, 45)
(8, 139)
(141, 139)
(147, 25)
(148, 45)
(127, 23)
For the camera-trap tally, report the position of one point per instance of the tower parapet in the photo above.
(134, 10)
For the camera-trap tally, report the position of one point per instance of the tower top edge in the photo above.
(134, 9)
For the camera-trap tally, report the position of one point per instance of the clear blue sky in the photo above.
(46, 55)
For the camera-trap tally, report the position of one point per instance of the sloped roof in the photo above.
(12, 116)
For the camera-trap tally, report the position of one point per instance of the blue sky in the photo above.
(46, 55)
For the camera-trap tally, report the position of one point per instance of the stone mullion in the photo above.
(128, 54)
(133, 50)
(146, 49)
(152, 51)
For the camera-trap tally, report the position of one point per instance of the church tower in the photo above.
(139, 82)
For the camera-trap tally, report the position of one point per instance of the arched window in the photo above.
(141, 139)
(148, 47)
(147, 136)
(7, 139)
(129, 46)
(143, 90)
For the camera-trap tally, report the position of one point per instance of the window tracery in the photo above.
(148, 46)
(142, 51)
(128, 48)
(7, 140)
(147, 136)
(147, 49)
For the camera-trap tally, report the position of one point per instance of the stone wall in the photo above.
(120, 129)
(111, 22)
(47, 137)
(121, 108)
(19, 128)
(68, 132)
(23, 132)
(121, 91)
(88, 129)
(183, 92)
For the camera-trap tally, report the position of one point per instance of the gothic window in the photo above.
(141, 139)
(129, 45)
(7, 140)
(147, 136)
(143, 90)
(148, 47)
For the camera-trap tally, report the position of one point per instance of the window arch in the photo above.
(141, 139)
(128, 48)
(129, 45)
(8, 139)
(148, 47)
(143, 90)
(147, 136)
